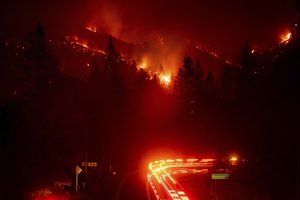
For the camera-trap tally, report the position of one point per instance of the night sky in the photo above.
(223, 26)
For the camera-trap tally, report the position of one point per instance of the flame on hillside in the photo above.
(165, 79)
(285, 37)
(143, 64)
(91, 28)
(83, 46)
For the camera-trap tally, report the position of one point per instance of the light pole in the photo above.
(85, 131)
(122, 181)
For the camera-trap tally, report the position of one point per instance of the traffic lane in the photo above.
(196, 185)
(161, 176)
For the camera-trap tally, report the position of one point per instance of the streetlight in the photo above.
(122, 181)
(233, 160)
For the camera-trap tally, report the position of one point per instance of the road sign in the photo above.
(78, 170)
(219, 176)
(89, 164)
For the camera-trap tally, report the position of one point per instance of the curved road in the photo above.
(162, 172)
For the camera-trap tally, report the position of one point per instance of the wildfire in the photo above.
(142, 66)
(84, 44)
(75, 42)
(91, 28)
(285, 37)
(165, 79)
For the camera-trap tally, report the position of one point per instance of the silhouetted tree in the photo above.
(186, 85)
(199, 73)
(209, 86)
(198, 86)
(113, 61)
(296, 23)
(247, 57)
(229, 79)
(246, 81)
(94, 75)
(41, 61)
(143, 77)
(185, 80)
(199, 78)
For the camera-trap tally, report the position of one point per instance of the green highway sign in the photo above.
(219, 176)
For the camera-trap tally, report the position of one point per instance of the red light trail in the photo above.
(161, 176)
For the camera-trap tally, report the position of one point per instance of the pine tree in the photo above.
(226, 83)
(247, 60)
(199, 76)
(113, 61)
(95, 75)
(209, 85)
(185, 80)
(246, 79)
(42, 63)
(199, 73)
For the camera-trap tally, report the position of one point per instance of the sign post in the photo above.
(78, 170)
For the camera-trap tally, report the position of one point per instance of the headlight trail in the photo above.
(162, 181)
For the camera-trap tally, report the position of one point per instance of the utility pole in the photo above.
(86, 153)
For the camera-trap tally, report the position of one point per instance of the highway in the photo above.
(162, 176)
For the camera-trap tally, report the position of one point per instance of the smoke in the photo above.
(161, 29)
(107, 18)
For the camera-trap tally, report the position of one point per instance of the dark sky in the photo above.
(224, 26)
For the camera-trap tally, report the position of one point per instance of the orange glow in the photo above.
(284, 38)
(91, 28)
(233, 158)
(80, 45)
(46, 194)
(84, 44)
(165, 79)
(142, 66)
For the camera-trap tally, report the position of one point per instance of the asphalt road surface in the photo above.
(173, 179)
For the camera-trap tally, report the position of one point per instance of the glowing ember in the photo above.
(286, 37)
(84, 44)
(142, 66)
(75, 42)
(91, 28)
